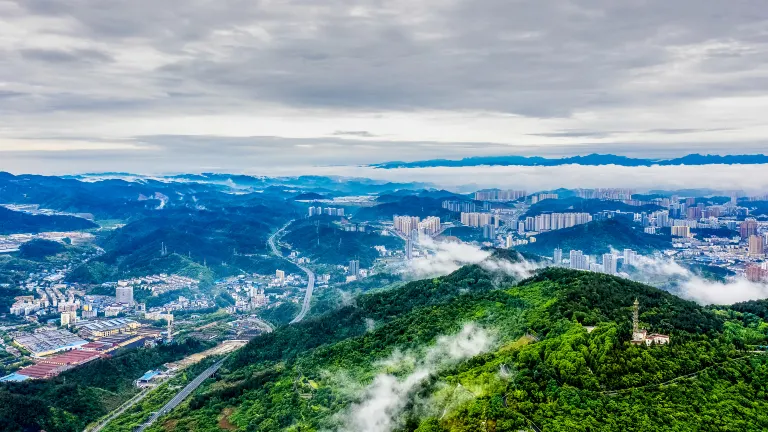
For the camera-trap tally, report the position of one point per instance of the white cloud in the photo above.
(385, 399)
(448, 256)
(689, 285)
(733, 291)
(445, 257)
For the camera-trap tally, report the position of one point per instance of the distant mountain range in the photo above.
(591, 159)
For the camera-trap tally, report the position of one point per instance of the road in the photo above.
(310, 275)
(133, 401)
(173, 403)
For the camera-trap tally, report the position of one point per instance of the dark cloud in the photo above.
(126, 60)
(359, 134)
(63, 56)
(609, 133)
(530, 58)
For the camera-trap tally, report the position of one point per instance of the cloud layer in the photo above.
(690, 286)
(117, 81)
(448, 256)
(384, 400)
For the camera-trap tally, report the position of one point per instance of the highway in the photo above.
(310, 275)
(173, 403)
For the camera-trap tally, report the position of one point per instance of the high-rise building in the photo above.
(681, 231)
(555, 221)
(499, 195)
(406, 224)
(489, 231)
(630, 257)
(430, 226)
(510, 241)
(609, 263)
(408, 249)
(521, 227)
(579, 261)
(557, 256)
(354, 268)
(460, 206)
(755, 273)
(748, 228)
(280, 275)
(476, 219)
(124, 293)
(756, 245)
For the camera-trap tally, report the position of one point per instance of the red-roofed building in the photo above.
(52, 366)
(42, 371)
(96, 346)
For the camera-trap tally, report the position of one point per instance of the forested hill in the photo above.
(581, 205)
(409, 205)
(12, 222)
(550, 351)
(598, 237)
(227, 241)
(322, 240)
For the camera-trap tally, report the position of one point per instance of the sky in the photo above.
(260, 85)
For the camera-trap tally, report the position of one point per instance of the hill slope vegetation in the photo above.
(476, 350)
(598, 237)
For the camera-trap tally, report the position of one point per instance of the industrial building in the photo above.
(102, 328)
(48, 341)
(52, 366)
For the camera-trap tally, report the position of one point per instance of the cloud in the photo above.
(359, 134)
(733, 291)
(63, 56)
(445, 257)
(686, 284)
(520, 74)
(383, 401)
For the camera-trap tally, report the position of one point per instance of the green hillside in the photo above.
(224, 242)
(598, 237)
(39, 249)
(475, 351)
(12, 222)
(323, 241)
(409, 205)
(75, 398)
(579, 205)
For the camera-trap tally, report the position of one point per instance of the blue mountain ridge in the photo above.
(593, 159)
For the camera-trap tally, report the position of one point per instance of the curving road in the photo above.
(173, 403)
(310, 275)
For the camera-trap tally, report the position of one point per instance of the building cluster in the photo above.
(552, 221)
(328, 211)
(499, 195)
(461, 206)
(47, 341)
(57, 350)
(158, 284)
(250, 298)
(610, 263)
(406, 225)
(543, 196)
(478, 220)
(615, 194)
(101, 328)
(757, 272)
(641, 336)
